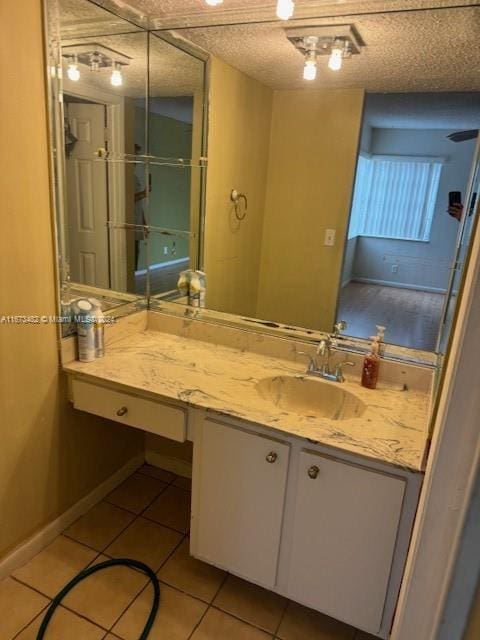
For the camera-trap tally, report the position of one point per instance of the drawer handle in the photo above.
(122, 411)
(272, 457)
(313, 472)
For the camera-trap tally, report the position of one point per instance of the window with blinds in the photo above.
(394, 197)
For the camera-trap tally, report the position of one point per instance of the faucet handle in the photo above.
(339, 369)
(338, 327)
(324, 345)
(312, 363)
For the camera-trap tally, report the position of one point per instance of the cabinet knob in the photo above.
(313, 472)
(122, 411)
(271, 458)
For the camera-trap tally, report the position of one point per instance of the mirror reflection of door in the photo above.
(403, 232)
(87, 195)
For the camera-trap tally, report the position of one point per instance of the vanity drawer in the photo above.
(154, 417)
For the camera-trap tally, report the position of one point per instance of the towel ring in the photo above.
(236, 197)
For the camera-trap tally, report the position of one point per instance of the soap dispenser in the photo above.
(371, 365)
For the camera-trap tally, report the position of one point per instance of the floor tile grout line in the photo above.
(62, 605)
(209, 606)
(237, 617)
(160, 494)
(42, 611)
(147, 585)
(150, 476)
(183, 533)
(277, 630)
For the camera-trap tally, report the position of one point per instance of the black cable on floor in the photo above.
(123, 562)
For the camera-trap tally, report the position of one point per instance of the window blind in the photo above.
(394, 198)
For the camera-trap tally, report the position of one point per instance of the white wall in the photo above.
(425, 265)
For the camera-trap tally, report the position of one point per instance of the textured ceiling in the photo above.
(412, 51)
(175, 13)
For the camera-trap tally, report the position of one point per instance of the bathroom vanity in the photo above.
(291, 474)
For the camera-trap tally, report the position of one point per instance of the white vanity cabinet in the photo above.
(150, 415)
(330, 532)
(240, 482)
(345, 526)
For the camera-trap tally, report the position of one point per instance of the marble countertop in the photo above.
(392, 429)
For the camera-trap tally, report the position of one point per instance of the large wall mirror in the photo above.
(347, 134)
(129, 111)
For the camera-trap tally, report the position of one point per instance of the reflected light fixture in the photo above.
(310, 68)
(285, 9)
(213, 3)
(73, 72)
(116, 79)
(336, 56)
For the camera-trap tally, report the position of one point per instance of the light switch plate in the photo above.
(330, 237)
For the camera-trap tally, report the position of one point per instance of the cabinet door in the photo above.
(239, 481)
(344, 533)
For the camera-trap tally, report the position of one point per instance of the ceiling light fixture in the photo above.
(73, 72)
(310, 68)
(310, 48)
(213, 3)
(337, 42)
(336, 56)
(116, 79)
(285, 9)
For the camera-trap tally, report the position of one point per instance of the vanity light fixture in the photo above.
(310, 48)
(73, 72)
(95, 61)
(336, 56)
(213, 3)
(98, 58)
(285, 9)
(335, 41)
(116, 79)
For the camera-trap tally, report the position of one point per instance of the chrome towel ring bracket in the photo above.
(236, 197)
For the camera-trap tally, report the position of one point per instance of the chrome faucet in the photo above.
(324, 349)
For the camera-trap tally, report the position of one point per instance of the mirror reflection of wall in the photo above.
(292, 146)
(99, 96)
(133, 131)
(402, 239)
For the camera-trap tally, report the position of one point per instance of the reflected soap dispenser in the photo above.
(371, 365)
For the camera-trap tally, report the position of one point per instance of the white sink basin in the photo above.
(310, 397)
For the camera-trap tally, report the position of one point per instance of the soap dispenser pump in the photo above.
(371, 365)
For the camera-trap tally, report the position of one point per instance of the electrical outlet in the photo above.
(330, 237)
(394, 268)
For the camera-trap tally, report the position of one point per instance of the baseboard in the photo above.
(25, 551)
(399, 285)
(174, 465)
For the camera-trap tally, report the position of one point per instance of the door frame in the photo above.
(115, 107)
(452, 470)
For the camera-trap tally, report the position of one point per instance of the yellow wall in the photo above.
(313, 153)
(239, 129)
(50, 455)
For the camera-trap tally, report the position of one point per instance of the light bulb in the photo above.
(336, 59)
(310, 70)
(285, 9)
(116, 79)
(213, 3)
(73, 72)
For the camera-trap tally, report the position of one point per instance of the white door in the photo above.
(345, 528)
(239, 483)
(87, 199)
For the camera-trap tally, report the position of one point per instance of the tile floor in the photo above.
(147, 518)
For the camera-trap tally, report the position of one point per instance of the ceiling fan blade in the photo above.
(461, 136)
